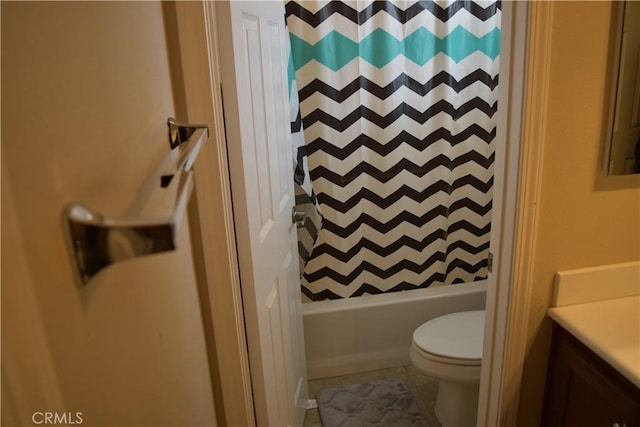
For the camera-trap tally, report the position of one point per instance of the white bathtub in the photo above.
(374, 331)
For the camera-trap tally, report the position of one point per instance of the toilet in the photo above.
(449, 349)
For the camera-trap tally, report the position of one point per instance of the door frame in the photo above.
(536, 26)
(513, 213)
(526, 27)
(218, 258)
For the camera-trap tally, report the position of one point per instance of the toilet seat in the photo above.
(445, 360)
(454, 339)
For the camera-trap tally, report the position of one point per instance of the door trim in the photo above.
(199, 59)
(536, 79)
(538, 59)
(507, 293)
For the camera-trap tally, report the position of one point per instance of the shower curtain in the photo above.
(398, 108)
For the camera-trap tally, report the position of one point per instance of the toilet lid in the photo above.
(455, 335)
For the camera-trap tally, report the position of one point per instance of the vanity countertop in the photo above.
(600, 306)
(610, 328)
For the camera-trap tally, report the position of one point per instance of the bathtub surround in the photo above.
(398, 103)
(356, 334)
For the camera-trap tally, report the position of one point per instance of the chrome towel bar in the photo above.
(150, 226)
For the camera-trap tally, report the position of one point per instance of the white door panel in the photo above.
(86, 94)
(257, 114)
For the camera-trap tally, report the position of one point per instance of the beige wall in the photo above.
(584, 218)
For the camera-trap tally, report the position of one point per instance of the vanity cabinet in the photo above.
(583, 390)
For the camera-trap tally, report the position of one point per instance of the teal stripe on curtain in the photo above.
(380, 48)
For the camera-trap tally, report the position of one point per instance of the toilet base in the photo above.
(457, 404)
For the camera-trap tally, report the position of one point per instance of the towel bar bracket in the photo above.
(181, 132)
(95, 246)
(151, 224)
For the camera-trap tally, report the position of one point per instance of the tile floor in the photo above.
(423, 388)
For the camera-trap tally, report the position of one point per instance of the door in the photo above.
(254, 81)
(87, 90)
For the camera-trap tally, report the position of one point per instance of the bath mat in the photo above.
(387, 403)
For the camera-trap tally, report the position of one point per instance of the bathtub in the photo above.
(374, 331)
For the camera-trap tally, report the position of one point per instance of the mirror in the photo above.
(624, 116)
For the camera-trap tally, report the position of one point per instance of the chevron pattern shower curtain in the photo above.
(398, 104)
